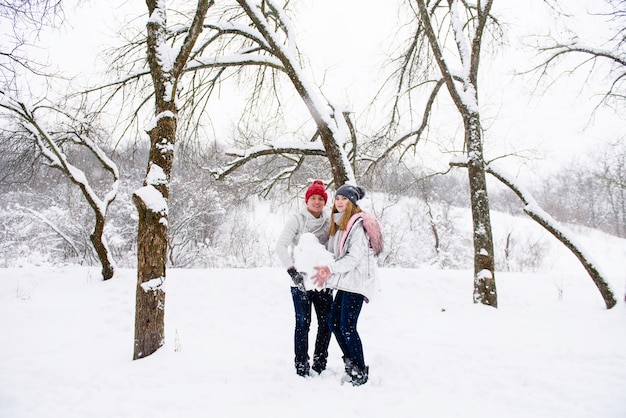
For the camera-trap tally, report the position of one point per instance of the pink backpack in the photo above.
(373, 229)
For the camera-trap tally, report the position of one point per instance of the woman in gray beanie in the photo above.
(352, 193)
(353, 274)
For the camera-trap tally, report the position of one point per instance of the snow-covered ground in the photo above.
(551, 349)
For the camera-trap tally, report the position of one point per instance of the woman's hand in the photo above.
(322, 273)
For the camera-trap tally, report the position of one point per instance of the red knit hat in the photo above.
(316, 188)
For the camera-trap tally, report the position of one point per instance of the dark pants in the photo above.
(344, 315)
(302, 302)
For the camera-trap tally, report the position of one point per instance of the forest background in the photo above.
(552, 126)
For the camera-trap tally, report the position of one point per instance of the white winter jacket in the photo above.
(355, 267)
(298, 224)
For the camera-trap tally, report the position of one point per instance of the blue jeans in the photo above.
(344, 315)
(302, 302)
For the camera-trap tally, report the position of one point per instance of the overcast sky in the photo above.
(346, 42)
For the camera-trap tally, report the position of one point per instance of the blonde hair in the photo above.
(351, 209)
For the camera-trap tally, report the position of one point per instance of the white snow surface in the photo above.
(551, 349)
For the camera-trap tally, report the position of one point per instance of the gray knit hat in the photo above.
(353, 193)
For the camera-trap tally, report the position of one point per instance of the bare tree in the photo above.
(250, 34)
(269, 41)
(447, 35)
(49, 144)
(603, 57)
(545, 220)
(264, 39)
(166, 69)
(465, 23)
(27, 19)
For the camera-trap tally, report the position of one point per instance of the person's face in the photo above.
(315, 204)
(341, 203)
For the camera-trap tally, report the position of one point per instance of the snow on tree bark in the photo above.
(166, 68)
(465, 97)
(537, 214)
(47, 144)
(484, 277)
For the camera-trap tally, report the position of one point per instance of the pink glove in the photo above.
(322, 273)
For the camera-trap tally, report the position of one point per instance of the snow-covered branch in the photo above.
(277, 30)
(457, 24)
(234, 61)
(277, 148)
(48, 146)
(561, 49)
(236, 28)
(533, 210)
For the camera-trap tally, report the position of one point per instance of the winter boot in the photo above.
(359, 376)
(319, 364)
(355, 374)
(347, 364)
(302, 369)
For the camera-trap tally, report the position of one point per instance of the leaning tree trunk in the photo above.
(484, 271)
(545, 220)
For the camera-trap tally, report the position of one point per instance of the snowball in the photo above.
(309, 253)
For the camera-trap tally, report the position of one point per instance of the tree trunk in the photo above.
(149, 301)
(465, 97)
(47, 144)
(548, 223)
(151, 203)
(99, 244)
(484, 275)
(152, 199)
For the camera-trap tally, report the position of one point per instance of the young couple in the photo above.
(352, 275)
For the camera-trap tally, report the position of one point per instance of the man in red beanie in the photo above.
(317, 188)
(310, 219)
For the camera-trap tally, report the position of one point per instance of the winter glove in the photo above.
(297, 277)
